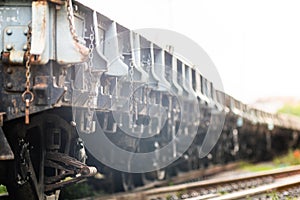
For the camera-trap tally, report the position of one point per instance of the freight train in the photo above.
(76, 83)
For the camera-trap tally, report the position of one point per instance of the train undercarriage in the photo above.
(81, 94)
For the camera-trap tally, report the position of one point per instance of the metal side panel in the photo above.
(136, 56)
(5, 150)
(40, 31)
(68, 50)
(116, 65)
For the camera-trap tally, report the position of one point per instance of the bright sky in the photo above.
(255, 44)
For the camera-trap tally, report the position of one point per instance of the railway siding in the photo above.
(238, 187)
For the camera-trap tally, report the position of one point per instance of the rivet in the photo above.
(9, 85)
(25, 31)
(9, 31)
(25, 47)
(9, 47)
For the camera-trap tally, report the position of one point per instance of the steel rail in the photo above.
(246, 185)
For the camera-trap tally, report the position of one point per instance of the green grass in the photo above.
(180, 193)
(274, 196)
(256, 167)
(76, 191)
(291, 158)
(2, 189)
(290, 109)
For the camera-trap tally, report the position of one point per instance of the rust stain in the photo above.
(5, 57)
(41, 2)
(59, 2)
(84, 51)
(41, 82)
(35, 59)
(41, 85)
(42, 25)
(14, 103)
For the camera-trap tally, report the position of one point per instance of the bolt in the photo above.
(25, 31)
(25, 47)
(9, 32)
(9, 70)
(9, 47)
(73, 123)
(9, 85)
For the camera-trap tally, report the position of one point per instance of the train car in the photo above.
(74, 82)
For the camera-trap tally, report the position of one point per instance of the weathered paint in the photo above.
(40, 45)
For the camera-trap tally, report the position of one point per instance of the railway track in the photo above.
(192, 176)
(272, 184)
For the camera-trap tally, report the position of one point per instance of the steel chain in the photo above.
(71, 21)
(148, 66)
(90, 103)
(28, 57)
(91, 47)
(27, 95)
(132, 103)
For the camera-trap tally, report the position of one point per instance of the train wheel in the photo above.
(29, 172)
(26, 178)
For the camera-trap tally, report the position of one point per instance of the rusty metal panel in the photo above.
(13, 77)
